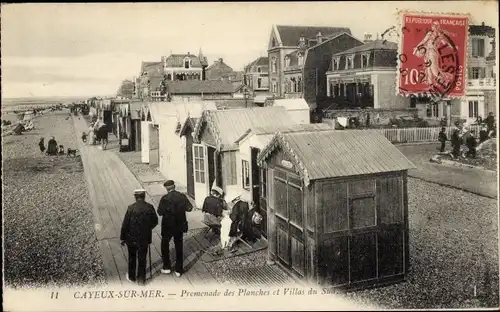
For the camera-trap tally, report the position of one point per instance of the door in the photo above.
(189, 164)
(108, 119)
(131, 139)
(145, 141)
(200, 176)
(154, 145)
(257, 189)
(289, 219)
(211, 166)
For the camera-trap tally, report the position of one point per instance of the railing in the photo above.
(414, 135)
(482, 82)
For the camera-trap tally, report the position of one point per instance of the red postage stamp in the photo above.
(433, 54)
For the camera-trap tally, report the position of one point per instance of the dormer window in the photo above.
(336, 63)
(364, 60)
(349, 64)
(259, 69)
(287, 61)
(273, 42)
(187, 62)
(300, 59)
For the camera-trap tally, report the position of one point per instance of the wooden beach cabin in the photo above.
(338, 207)
(252, 178)
(128, 125)
(215, 151)
(165, 147)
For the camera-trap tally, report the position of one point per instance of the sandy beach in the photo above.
(49, 228)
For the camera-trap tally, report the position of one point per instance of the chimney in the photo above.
(319, 38)
(189, 53)
(367, 38)
(482, 24)
(220, 60)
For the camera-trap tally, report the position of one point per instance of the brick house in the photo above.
(221, 71)
(256, 75)
(299, 58)
(285, 40)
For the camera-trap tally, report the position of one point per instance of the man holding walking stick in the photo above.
(138, 224)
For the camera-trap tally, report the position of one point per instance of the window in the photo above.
(473, 109)
(273, 42)
(187, 62)
(349, 62)
(259, 82)
(273, 65)
(433, 110)
(300, 59)
(336, 63)
(364, 60)
(245, 174)
(477, 47)
(259, 69)
(477, 73)
(199, 164)
(287, 61)
(275, 87)
(299, 85)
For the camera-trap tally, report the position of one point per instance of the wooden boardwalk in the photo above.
(111, 185)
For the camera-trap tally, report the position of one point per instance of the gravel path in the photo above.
(453, 247)
(48, 224)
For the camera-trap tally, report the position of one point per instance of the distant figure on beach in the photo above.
(52, 147)
(41, 144)
(173, 207)
(138, 224)
(61, 150)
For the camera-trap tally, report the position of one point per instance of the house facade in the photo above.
(193, 90)
(285, 40)
(221, 71)
(256, 75)
(365, 77)
(480, 97)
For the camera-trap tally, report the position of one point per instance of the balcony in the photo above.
(482, 82)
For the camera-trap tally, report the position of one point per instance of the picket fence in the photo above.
(414, 135)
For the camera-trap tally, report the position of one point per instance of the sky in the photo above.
(88, 49)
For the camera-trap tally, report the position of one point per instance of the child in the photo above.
(442, 138)
(84, 137)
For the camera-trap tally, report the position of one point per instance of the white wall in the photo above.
(172, 152)
(300, 116)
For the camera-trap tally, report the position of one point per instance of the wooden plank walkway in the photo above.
(111, 185)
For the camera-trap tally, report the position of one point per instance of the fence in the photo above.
(411, 135)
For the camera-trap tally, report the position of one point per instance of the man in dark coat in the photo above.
(490, 122)
(172, 208)
(456, 142)
(442, 138)
(138, 224)
(52, 147)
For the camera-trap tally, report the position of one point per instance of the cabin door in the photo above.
(290, 247)
(257, 189)
(107, 118)
(201, 186)
(211, 159)
(189, 164)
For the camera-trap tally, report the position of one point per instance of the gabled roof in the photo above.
(290, 35)
(152, 68)
(200, 86)
(177, 60)
(262, 61)
(178, 109)
(233, 103)
(331, 154)
(147, 65)
(271, 130)
(227, 126)
(220, 65)
(371, 46)
(191, 122)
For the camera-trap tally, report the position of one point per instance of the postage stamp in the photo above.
(432, 58)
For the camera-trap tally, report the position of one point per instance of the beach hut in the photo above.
(128, 125)
(215, 151)
(162, 144)
(297, 108)
(253, 178)
(337, 207)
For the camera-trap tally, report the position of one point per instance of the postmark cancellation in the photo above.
(432, 58)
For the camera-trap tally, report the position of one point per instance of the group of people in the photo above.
(52, 148)
(230, 223)
(97, 134)
(141, 218)
(461, 136)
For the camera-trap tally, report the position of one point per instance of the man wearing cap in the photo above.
(140, 220)
(172, 208)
